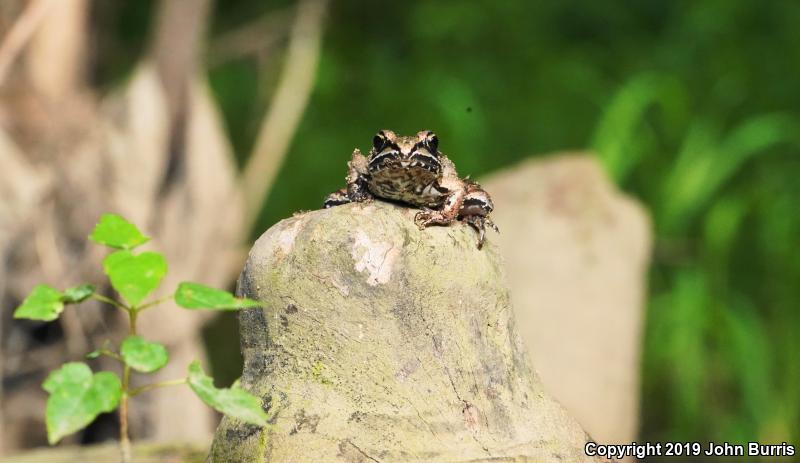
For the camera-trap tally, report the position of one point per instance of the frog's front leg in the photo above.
(449, 211)
(356, 190)
(475, 210)
(357, 178)
(479, 223)
(337, 198)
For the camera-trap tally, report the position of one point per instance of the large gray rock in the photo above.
(381, 342)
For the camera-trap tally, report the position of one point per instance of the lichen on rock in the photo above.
(378, 341)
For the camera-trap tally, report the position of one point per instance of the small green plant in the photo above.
(76, 394)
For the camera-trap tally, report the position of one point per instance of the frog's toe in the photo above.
(422, 219)
(360, 196)
(481, 237)
(479, 222)
(337, 198)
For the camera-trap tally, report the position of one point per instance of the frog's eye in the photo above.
(380, 141)
(431, 142)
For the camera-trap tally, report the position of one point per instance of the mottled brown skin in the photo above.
(412, 170)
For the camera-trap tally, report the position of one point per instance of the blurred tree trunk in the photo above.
(154, 151)
(56, 58)
(180, 31)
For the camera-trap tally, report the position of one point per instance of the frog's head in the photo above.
(396, 152)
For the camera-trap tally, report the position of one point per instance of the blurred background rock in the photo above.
(206, 122)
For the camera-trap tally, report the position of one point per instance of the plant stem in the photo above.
(108, 300)
(113, 355)
(156, 302)
(147, 387)
(124, 438)
(132, 314)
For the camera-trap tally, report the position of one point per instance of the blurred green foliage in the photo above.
(692, 106)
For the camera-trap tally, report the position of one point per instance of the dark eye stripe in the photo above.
(424, 157)
(426, 161)
(380, 157)
(423, 148)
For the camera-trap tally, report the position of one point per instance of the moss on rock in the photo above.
(381, 342)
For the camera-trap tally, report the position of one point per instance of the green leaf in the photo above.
(135, 276)
(197, 296)
(43, 303)
(93, 354)
(709, 159)
(76, 398)
(77, 294)
(621, 138)
(116, 232)
(142, 355)
(233, 402)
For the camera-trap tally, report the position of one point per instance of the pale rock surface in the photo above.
(381, 342)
